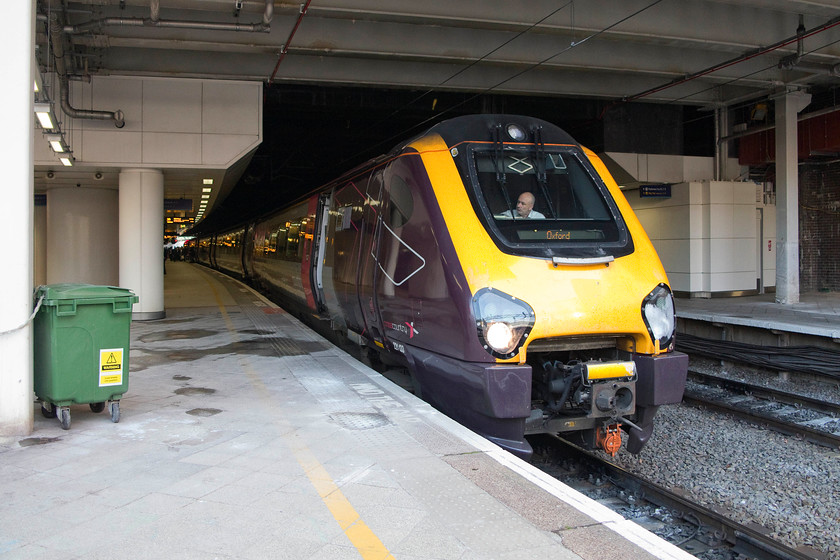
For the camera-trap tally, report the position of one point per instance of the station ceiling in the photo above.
(703, 53)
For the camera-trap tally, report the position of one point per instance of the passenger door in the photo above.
(368, 271)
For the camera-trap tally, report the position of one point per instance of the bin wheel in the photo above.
(97, 406)
(64, 417)
(115, 411)
(48, 410)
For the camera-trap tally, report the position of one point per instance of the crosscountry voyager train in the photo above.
(561, 321)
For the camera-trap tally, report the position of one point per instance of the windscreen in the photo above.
(545, 199)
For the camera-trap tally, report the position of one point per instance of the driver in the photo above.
(524, 208)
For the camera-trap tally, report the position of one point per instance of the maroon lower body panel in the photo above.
(491, 399)
(661, 380)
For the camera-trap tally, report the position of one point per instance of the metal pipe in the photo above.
(57, 41)
(285, 47)
(758, 129)
(835, 21)
(155, 21)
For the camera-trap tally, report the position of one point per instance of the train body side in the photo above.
(395, 255)
(228, 251)
(281, 252)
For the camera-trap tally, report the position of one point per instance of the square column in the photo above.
(787, 196)
(16, 223)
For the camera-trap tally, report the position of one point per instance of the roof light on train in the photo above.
(515, 132)
(659, 316)
(503, 322)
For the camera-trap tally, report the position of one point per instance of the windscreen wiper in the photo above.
(499, 164)
(539, 163)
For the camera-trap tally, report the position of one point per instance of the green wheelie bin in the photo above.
(81, 346)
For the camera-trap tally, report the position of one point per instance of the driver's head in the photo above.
(525, 204)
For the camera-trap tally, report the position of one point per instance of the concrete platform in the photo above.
(245, 435)
(814, 320)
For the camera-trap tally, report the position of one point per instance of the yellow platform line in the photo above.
(363, 538)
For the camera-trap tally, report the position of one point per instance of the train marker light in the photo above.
(608, 370)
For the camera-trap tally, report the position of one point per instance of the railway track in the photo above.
(788, 413)
(711, 533)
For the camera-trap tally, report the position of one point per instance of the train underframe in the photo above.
(588, 396)
(553, 392)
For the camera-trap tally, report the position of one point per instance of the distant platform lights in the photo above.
(49, 123)
(205, 197)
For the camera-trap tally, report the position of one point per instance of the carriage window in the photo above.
(402, 203)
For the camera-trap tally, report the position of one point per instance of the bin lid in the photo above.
(83, 293)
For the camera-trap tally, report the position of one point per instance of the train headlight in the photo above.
(502, 321)
(658, 313)
(499, 336)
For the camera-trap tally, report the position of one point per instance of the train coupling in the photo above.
(608, 438)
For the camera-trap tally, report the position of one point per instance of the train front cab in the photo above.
(575, 305)
(418, 264)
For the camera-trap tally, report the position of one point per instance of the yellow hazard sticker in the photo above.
(110, 367)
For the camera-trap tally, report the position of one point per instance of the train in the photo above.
(494, 260)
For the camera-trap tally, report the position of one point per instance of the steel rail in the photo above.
(753, 541)
(768, 393)
(807, 433)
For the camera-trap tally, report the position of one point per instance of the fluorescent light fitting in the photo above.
(208, 181)
(35, 72)
(37, 81)
(44, 113)
(205, 196)
(67, 160)
(56, 143)
(206, 189)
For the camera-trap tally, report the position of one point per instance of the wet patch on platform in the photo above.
(161, 336)
(203, 412)
(260, 332)
(29, 442)
(194, 391)
(267, 346)
(181, 377)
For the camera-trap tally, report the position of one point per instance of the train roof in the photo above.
(478, 128)
(465, 128)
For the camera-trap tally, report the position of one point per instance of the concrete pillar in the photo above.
(141, 240)
(40, 241)
(16, 222)
(82, 235)
(787, 196)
